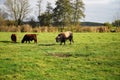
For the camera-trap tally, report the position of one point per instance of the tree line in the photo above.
(64, 13)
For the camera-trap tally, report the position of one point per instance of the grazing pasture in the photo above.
(92, 56)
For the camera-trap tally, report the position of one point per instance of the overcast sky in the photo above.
(102, 10)
(95, 10)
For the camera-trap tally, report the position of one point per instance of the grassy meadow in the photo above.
(92, 56)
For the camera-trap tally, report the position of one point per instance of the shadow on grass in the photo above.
(8, 42)
(47, 44)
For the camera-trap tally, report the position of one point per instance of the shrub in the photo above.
(36, 29)
(3, 28)
(26, 28)
(12, 29)
(117, 29)
(86, 29)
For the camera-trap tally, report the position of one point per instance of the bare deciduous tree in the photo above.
(3, 16)
(78, 11)
(19, 9)
(39, 6)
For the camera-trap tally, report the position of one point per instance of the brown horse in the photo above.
(29, 37)
(13, 37)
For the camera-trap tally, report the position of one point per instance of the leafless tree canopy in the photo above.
(19, 9)
(39, 6)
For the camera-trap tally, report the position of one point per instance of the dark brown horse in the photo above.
(29, 37)
(13, 37)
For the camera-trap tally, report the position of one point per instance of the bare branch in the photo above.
(19, 9)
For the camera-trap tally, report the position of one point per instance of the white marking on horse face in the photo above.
(57, 38)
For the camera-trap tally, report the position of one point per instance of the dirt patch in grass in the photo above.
(64, 55)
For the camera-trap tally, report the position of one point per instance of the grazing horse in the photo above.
(29, 37)
(63, 36)
(13, 38)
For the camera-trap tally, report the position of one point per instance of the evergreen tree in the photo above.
(62, 12)
(116, 23)
(45, 19)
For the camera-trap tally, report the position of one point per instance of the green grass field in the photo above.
(92, 56)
